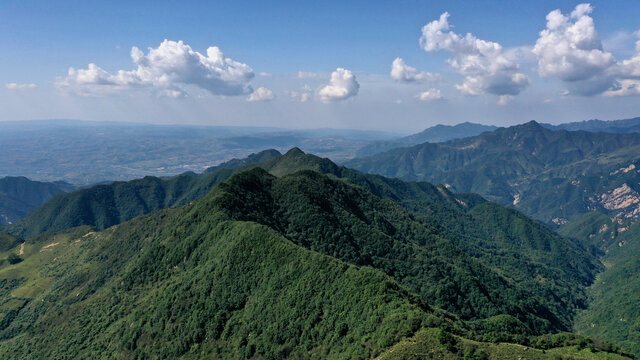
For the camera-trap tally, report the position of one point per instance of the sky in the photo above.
(382, 65)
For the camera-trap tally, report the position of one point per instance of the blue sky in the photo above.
(40, 41)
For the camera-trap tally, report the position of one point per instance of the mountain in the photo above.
(304, 265)
(549, 175)
(434, 134)
(503, 240)
(110, 204)
(613, 311)
(610, 126)
(19, 196)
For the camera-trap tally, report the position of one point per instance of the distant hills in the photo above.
(19, 196)
(611, 126)
(443, 133)
(298, 257)
(550, 175)
(434, 134)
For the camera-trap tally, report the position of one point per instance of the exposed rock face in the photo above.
(559, 221)
(622, 198)
(624, 170)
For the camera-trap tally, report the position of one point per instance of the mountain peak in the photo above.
(532, 124)
(295, 151)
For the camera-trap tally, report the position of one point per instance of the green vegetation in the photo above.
(216, 278)
(102, 206)
(443, 246)
(613, 310)
(546, 174)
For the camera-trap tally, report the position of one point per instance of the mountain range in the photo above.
(609, 126)
(298, 257)
(434, 134)
(549, 175)
(286, 255)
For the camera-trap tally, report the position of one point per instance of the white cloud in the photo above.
(570, 49)
(342, 85)
(306, 75)
(430, 95)
(14, 86)
(166, 68)
(626, 87)
(261, 94)
(505, 100)
(486, 66)
(265, 74)
(402, 72)
(630, 68)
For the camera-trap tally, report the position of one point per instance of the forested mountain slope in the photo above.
(110, 204)
(613, 310)
(550, 175)
(266, 267)
(503, 240)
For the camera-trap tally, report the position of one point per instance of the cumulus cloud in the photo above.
(487, 68)
(402, 72)
(167, 69)
(570, 49)
(342, 86)
(626, 87)
(306, 75)
(261, 94)
(430, 95)
(265, 74)
(505, 100)
(14, 86)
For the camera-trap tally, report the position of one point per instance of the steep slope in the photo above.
(106, 205)
(319, 212)
(19, 196)
(198, 282)
(434, 134)
(547, 174)
(613, 311)
(502, 240)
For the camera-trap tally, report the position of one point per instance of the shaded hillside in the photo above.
(200, 281)
(613, 311)
(19, 196)
(550, 175)
(434, 134)
(106, 205)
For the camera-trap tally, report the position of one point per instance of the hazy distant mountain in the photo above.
(610, 126)
(550, 175)
(19, 196)
(434, 134)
